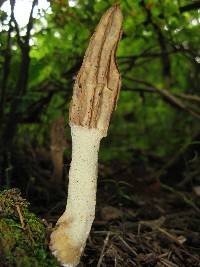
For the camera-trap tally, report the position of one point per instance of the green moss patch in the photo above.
(23, 239)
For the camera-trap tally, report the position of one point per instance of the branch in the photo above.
(193, 6)
(19, 40)
(147, 55)
(22, 82)
(30, 23)
(6, 68)
(34, 111)
(166, 95)
(2, 2)
(194, 98)
(166, 66)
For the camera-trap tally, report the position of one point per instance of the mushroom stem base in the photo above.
(72, 229)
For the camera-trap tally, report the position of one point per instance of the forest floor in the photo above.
(138, 223)
(160, 230)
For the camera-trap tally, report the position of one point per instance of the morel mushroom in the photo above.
(94, 98)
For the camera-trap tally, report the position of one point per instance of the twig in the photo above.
(127, 246)
(168, 263)
(180, 194)
(20, 216)
(30, 234)
(103, 249)
(156, 225)
(170, 236)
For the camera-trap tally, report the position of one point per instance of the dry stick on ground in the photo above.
(20, 216)
(95, 95)
(103, 249)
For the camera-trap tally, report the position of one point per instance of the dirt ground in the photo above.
(140, 220)
(140, 223)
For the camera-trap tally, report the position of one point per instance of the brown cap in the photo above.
(97, 85)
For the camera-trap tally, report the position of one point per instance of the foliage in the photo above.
(159, 49)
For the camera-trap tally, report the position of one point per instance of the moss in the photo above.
(23, 236)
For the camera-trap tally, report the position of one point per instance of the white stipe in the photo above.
(81, 200)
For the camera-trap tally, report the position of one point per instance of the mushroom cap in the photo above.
(98, 82)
